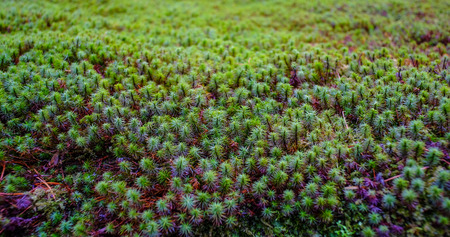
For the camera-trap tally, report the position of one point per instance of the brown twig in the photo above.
(343, 115)
(52, 183)
(11, 194)
(351, 187)
(448, 163)
(3, 171)
(397, 176)
(25, 210)
(46, 184)
(391, 178)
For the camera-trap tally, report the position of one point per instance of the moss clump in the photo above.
(193, 118)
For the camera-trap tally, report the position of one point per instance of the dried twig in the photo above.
(343, 115)
(25, 210)
(448, 163)
(46, 184)
(351, 187)
(391, 178)
(11, 194)
(3, 171)
(398, 176)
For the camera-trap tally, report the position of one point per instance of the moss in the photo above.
(240, 118)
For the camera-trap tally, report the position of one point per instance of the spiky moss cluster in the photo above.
(207, 118)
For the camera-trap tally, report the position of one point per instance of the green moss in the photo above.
(234, 117)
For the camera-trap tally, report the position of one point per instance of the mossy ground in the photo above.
(218, 118)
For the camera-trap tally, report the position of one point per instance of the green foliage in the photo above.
(193, 118)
